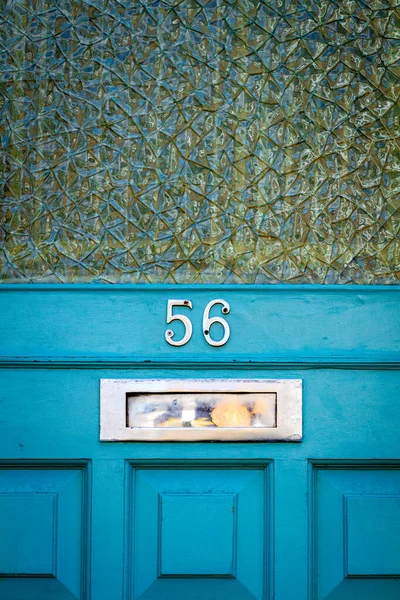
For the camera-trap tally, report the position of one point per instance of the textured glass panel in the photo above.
(202, 410)
(183, 141)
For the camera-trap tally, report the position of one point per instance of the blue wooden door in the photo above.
(81, 518)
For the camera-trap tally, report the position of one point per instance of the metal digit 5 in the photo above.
(185, 320)
(208, 321)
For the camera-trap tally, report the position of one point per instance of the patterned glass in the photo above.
(200, 141)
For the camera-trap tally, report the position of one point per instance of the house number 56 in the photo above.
(207, 322)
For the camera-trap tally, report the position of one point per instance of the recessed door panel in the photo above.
(44, 531)
(193, 530)
(356, 524)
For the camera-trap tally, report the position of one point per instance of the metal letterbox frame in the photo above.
(113, 410)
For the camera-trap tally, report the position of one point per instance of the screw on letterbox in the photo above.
(169, 332)
(186, 302)
(206, 332)
(225, 310)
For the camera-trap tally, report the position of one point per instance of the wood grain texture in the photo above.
(271, 326)
(57, 342)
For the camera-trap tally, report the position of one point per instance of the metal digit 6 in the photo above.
(185, 320)
(208, 321)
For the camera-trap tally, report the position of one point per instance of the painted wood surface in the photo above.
(200, 521)
(269, 324)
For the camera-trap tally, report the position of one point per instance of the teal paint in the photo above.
(356, 526)
(126, 325)
(185, 502)
(44, 529)
(288, 499)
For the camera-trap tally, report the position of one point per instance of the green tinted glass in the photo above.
(184, 141)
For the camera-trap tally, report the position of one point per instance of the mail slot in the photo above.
(201, 409)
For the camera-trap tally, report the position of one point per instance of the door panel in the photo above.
(309, 520)
(208, 525)
(356, 525)
(44, 530)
